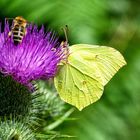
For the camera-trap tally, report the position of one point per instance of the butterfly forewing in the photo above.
(105, 60)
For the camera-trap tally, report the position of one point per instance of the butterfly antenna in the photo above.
(65, 29)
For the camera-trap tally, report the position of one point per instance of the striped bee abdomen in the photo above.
(18, 34)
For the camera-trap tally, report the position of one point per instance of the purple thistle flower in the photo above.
(36, 57)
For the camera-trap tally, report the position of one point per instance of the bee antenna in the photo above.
(9, 18)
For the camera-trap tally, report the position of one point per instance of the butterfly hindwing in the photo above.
(77, 89)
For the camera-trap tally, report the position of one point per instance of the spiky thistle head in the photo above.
(15, 130)
(36, 57)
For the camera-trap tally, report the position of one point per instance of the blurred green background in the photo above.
(115, 23)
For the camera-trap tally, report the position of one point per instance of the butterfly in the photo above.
(81, 80)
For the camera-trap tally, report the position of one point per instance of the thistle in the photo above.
(35, 58)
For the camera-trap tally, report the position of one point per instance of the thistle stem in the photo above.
(59, 121)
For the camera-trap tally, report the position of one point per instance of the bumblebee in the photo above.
(19, 29)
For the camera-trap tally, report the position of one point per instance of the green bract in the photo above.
(81, 80)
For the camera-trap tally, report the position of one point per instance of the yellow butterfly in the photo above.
(81, 80)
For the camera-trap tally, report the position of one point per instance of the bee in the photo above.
(18, 30)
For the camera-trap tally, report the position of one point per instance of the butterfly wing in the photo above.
(81, 80)
(77, 88)
(106, 61)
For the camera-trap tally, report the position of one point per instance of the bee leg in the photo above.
(25, 32)
(9, 34)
